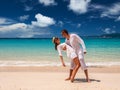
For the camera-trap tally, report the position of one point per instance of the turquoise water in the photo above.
(42, 52)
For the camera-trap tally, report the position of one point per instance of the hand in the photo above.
(64, 65)
(85, 52)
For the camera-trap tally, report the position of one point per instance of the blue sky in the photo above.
(46, 18)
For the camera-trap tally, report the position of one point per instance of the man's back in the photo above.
(75, 41)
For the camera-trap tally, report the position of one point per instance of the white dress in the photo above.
(69, 50)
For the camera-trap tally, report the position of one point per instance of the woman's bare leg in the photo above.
(70, 74)
(77, 65)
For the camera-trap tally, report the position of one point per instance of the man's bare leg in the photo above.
(71, 70)
(86, 74)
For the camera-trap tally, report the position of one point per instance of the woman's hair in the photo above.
(64, 31)
(55, 38)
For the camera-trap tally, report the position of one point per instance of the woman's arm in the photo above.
(62, 61)
(60, 54)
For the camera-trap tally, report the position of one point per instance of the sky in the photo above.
(46, 18)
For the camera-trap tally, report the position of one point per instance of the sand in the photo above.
(53, 78)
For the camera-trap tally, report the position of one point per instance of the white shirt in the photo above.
(69, 49)
(75, 41)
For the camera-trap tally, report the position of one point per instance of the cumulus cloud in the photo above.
(43, 21)
(108, 31)
(38, 28)
(48, 2)
(79, 6)
(12, 27)
(22, 30)
(24, 17)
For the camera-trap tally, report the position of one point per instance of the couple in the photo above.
(74, 52)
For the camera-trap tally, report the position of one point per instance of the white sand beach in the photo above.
(45, 78)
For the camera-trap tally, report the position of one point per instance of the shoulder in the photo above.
(58, 46)
(74, 35)
(61, 45)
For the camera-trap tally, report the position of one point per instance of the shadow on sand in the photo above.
(77, 80)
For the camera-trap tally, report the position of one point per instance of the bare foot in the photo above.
(72, 80)
(67, 79)
(88, 80)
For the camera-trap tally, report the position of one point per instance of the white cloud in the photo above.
(13, 27)
(32, 34)
(43, 21)
(79, 6)
(48, 2)
(2, 20)
(21, 30)
(97, 7)
(93, 17)
(6, 21)
(28, 8)
(60, 23)
(118, 19)
(108, 16)
(24, 17)
(111, 12)
(109, 31)
(26, 35)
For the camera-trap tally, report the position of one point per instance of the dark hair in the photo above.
(64, 31)
(56, 38)
(56, 46)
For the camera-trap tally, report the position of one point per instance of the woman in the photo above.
(70, 54)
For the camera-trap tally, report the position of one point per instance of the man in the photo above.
(75, 41)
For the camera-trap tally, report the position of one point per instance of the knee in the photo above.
(78, 66)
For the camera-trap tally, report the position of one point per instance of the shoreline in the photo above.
(91, 69)
(52, 64)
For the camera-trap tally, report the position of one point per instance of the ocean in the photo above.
(41, 52)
